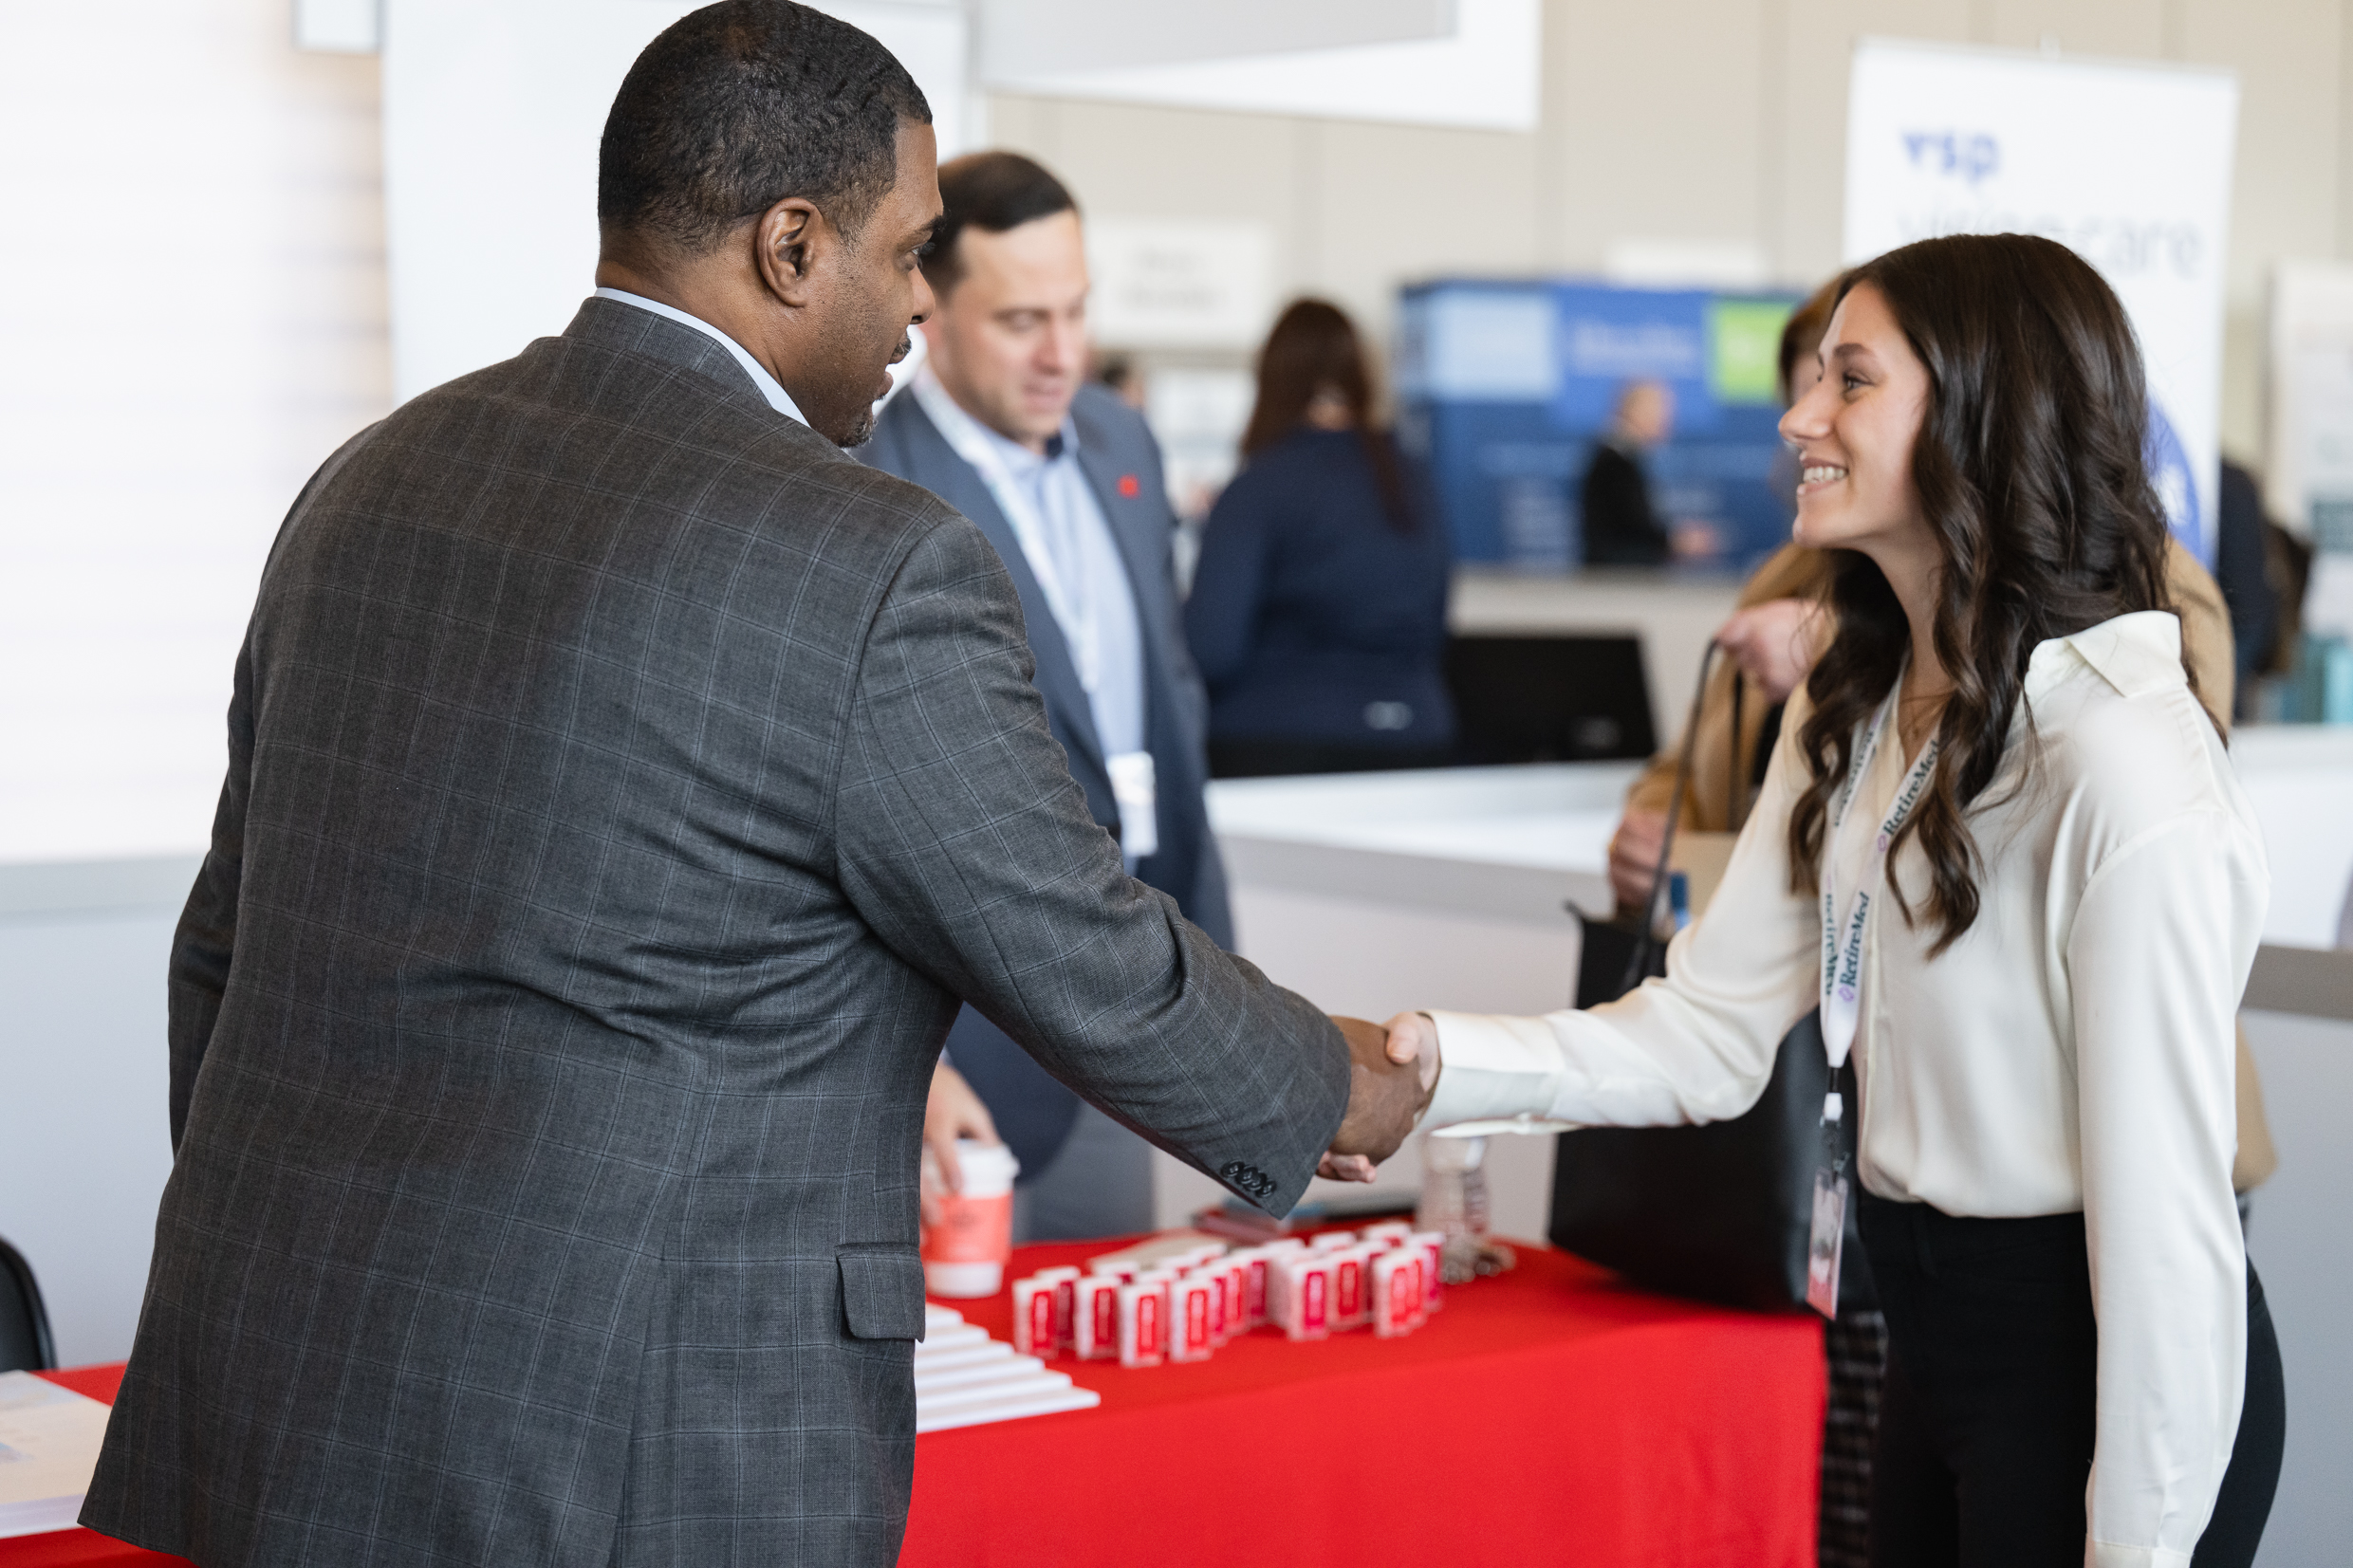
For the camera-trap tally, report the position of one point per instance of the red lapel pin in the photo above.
(1130, 488)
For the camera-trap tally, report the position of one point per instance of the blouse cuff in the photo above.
(1494, 1068)
(2107, 1554)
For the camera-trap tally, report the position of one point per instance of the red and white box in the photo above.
(1095, 1322)
(1392, 1232)
(1123, 1269)
(1192, 1306)
(1332, 1239)
(1143, 1323)
(1034, 1318)
(1303, 1303)
(1351, 1285)
(1432, 1278)
(1252, 1266)
(1397, 1292)
(1065, 1281)
(1233, 1276)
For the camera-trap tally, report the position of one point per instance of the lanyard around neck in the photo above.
(1842, 935)
(1074, 613)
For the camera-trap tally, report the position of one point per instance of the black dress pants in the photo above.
(1985, 1438)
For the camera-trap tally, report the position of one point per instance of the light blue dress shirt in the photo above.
(1095, 606)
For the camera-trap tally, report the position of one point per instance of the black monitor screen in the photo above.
(1549, 699)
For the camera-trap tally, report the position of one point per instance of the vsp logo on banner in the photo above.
(2128, 164)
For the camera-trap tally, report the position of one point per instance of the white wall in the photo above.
(192, 304)
(1717, 120)
(84, 1145)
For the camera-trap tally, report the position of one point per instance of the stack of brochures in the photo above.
(964, 1378)
(48, 1447)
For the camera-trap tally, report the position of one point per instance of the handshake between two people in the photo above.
(1393, 1070)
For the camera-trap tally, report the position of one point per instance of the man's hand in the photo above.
(1634, 858)
(951, 1112)
(1775, 643)
(1392, 1071)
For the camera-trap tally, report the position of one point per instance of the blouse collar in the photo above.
(2135, 654)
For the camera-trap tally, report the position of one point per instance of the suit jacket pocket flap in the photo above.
(882, 1291)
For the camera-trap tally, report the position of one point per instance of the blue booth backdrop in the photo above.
(1503, 387)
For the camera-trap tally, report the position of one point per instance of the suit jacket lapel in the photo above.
(963, 488)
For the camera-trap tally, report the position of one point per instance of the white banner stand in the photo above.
(2129, 163)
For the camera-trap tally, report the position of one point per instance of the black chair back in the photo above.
(25, 1343)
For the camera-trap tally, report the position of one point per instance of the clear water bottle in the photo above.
(1454, 1200)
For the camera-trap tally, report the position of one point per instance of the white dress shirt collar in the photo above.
(778, 399)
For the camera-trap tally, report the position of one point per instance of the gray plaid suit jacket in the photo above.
(623, 787)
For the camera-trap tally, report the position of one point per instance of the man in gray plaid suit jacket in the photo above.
(624, 786)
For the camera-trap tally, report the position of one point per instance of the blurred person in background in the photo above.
(1621, 527)
(1126, 379)
(1004, 422)
(2244, 575)
(1770, 641)
(1317, 613)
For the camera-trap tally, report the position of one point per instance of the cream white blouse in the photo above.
(2073, 1050)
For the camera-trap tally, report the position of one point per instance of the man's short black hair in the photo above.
(740, 104)
(991, 192)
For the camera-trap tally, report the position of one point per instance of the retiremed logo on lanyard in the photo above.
(1842, 985)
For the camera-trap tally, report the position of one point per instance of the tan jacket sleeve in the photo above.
(1720, 769)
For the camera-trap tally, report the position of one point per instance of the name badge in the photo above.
(1135, 788)
(1826, 1243)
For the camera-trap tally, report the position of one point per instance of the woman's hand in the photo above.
(951, 1112)
(1775, 643)
(1634, 858)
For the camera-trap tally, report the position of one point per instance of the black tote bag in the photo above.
(1720, 1212)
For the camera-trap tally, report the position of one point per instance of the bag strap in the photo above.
(1646, 937)
(1735, 789)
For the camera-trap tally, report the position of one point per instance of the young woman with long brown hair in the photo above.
(2001, 848)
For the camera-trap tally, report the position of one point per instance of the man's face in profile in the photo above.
(1009, 340)
(875, 296)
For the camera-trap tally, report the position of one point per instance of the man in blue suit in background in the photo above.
(1064, 480)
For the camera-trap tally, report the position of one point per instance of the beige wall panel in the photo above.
(2128, 27)
(1134, 160)
(1654, 115)
(1803, 230)
(1396, 203)
(1143, 161)
(2289, 57)
(2243, 358)
(2287, 195)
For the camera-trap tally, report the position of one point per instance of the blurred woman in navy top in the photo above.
(1318, 614)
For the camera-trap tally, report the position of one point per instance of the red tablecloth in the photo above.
(1548, 1415)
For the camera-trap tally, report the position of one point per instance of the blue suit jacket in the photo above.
(1121, 463)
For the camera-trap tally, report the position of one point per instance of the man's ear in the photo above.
(790, 241)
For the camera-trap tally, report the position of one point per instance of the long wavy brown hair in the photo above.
(2031, 474)
(1314, 345)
